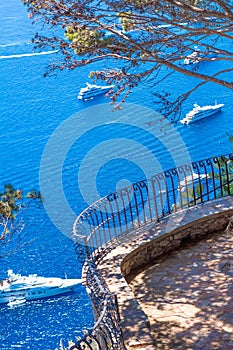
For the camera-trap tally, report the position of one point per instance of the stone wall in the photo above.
(142, 246)
(147, 252)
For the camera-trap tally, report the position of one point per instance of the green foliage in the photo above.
(33, 194)
(9, 202)
(224, 174)
(160, 33)
(12, 202)
(230, 138)
(190, 193)
(193, 2)
(83, 39)
(126, 21)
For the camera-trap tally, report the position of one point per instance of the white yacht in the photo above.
(92, 90)
(198, 112)
(192, 180)
(192, 58)
(197, 56)
(17, 289)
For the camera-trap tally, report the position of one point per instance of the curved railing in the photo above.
(97, 229)
(106, 332)
(150, 200)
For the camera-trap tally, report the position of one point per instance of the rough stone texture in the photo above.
(170, 240)
(187, 295)
(144, 245)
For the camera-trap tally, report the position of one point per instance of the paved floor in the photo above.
(188, 296)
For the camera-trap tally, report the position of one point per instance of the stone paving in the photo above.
(184, 300)
(187, 295)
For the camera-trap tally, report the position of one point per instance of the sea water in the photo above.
(32, 109)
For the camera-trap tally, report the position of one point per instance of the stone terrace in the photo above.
(180, 281)
(187, 295)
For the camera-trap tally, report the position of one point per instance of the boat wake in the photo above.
(16, 302)
(28, 54)
(13, 44)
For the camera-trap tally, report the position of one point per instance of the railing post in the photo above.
(116, 214)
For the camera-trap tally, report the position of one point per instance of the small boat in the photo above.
(192, 180)
(192, 58)
(198, 112)
(17, 289)
(198, 56)
(91, 90)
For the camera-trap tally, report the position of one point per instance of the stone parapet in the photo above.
(141, 247)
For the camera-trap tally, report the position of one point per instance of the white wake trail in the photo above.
(28, 54)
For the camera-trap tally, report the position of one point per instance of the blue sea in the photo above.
(77, 152)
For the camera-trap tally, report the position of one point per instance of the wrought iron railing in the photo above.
(150, 200)
(99, 227)
(106, 332)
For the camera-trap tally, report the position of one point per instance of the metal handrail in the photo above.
(106, 332)
(132, 207)
(150, 200)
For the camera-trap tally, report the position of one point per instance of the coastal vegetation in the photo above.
(12, 204)
(145, 40)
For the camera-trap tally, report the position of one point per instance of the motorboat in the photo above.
(17, 289)
(198, 112)
(192, 58)
(192, 180)
(92, 90)
(198, 56)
